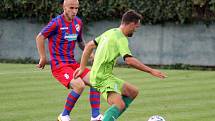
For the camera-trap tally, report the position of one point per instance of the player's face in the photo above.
(71, 9)
(132, 28)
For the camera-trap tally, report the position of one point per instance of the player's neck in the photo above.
(67, 19)
(123, 29)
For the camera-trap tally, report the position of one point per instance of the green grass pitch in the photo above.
(30, 94)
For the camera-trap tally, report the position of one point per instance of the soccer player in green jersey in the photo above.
(110, 45)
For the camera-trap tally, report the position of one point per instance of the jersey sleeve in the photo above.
(50, 29)
(80, 34)
(97, 40)
(123, 47)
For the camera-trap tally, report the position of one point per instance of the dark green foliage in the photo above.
(40, 9)
(154, 11)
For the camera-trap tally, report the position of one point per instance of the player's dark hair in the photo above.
(131, 16)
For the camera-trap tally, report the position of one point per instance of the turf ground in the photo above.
(29, 94)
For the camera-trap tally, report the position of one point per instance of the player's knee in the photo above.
(135, 92)
(78, 85)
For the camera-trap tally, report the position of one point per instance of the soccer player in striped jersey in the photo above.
(63, 32)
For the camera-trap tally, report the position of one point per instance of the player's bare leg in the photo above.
(120, 102)
(129, 90)
(129, 93)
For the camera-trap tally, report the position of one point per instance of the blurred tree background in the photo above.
(154, 11)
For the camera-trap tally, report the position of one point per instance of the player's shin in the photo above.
(127, 102)
(70, 102)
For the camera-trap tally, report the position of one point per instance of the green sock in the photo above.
(127, 102)
(111, 114)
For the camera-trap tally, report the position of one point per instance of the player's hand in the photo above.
(78, 72)
(41, 63)
(158, 74)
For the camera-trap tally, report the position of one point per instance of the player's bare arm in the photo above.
(82, 46)
(132, 61)
(40, 41)
(85, 56)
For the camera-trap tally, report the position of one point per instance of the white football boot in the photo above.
(98, 118)
(63, 118)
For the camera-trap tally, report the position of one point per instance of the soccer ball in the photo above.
(156, 118)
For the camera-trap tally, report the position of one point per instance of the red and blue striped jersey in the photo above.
(62, 36)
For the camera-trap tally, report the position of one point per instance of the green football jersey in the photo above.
(111, 44)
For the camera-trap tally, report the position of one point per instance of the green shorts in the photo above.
(111, 84)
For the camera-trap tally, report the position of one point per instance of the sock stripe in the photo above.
(72, 97)
(72, 100)
(94, 99)
(68, 105)
(95, 96)
(68, 108)
(92, 89)
(75, 94)
(95, 102)
(94, 93)
(96, 106)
